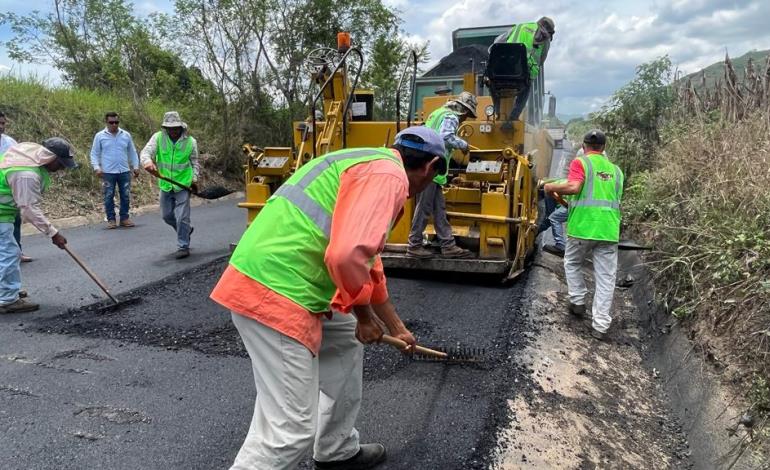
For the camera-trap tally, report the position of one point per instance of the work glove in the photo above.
(59, 240)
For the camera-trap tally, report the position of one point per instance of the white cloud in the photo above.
(4, 68)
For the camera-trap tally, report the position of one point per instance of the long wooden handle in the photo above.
(90, 273)
(169, 180)
(387, 339)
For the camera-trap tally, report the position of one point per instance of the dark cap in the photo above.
(595, 137)
(63, 150)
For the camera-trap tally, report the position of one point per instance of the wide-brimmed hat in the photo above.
(172, 119)
(63, 150)
(467, 103)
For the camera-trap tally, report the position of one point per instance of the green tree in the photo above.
(634, 116)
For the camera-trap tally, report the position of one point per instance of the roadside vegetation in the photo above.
(697, 159)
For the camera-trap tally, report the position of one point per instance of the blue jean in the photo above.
(558, 218)
(17, 229)
(175, 209)
(123, 181)
(10, 273)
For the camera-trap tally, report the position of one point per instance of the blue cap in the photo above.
(432, 142)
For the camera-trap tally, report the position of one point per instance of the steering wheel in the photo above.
(319, 58)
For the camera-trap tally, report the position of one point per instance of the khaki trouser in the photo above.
(302, 401)
(605, 257)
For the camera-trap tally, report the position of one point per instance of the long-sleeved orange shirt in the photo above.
(370, 197)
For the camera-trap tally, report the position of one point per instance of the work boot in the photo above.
(111, 224)
(22, 294)
(127, 223)
(368, 456)
(24, 258)
(456, 252)
(182, 253)
(419, 252)
(554, 250)
(577, 310)
(596, 334)
(20, 306)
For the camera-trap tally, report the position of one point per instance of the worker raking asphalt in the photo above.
(429, 415)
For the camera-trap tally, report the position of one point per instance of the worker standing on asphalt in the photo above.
(24, 170)
(113, 158)
(5, 143)
(593, 226)
(308, 259)
(444, 120)
(536, 37)
(175, 155)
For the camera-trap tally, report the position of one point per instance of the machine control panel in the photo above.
(484, 170)
(273, 162)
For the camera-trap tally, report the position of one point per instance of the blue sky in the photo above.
(597, 45)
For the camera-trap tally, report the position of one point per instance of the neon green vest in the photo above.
(173, 161)
(595, 213)
(8, 209)
(284, 246)
(525, 34)
(434, 122)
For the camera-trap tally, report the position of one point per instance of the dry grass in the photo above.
(705, 208)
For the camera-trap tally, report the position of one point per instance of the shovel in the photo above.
(115, 302)
(214, 192)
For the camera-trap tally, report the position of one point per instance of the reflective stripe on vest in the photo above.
(594, 214)
(589, 190)
(434, 121)
(284, 247)
(525, 34)
(8, 209)
(174, 162)
(295, 193)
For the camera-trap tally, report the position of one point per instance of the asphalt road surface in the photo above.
(165, 383)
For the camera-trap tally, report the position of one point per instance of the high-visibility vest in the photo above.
(284, 247)
(434, 122)
(595, 213)
(524, 33)
(173, 161)
(8, 208)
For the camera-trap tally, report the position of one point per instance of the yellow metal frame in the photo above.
(495, 210)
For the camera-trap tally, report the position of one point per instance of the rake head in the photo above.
(458, 355)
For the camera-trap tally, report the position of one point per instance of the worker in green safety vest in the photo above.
(536, 37)
(593, 226)
(306, 262)
(430, 202)
(173, 153)
(24, 175)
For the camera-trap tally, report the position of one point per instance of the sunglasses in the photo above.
(113, 122)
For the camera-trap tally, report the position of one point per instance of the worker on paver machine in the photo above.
(444, 120)
(308, 259)
(24, 170)
(593, 226)
(536, 38)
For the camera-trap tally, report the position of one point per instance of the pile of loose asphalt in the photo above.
(429, 415)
